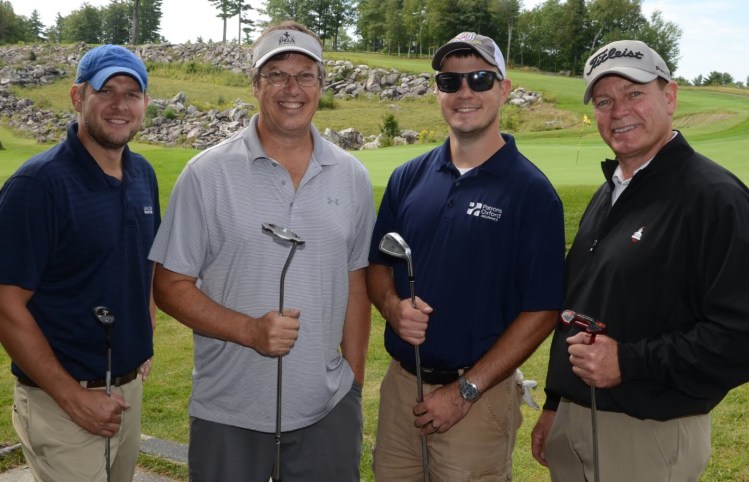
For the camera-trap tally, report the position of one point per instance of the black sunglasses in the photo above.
(478, 81)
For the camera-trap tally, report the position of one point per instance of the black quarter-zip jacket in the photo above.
(667, 269)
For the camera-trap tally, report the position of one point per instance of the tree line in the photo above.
(120, 22)
(557, 35)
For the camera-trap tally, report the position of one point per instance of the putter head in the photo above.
(587, 323)
(282, 233)
(394, 245)
(103, 315)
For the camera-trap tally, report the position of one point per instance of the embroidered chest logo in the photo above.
(637, 235)
(147, 209)
(484, 211)
(333, 201)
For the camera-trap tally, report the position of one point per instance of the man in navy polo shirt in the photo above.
(78, 221)
(486, 232)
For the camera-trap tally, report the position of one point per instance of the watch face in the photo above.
(469, 391)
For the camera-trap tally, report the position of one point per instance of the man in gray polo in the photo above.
(217, 272)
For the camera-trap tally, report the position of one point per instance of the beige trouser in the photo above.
(629, 449)
(478, 448)
(58, 450)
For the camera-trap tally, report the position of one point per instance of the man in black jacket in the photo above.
(660, 257)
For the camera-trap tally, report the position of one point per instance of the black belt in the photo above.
(432, 376)
(116, 382)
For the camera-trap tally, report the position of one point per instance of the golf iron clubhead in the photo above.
(394, 245)
(105, 316)
(281, 234)
(593, 327)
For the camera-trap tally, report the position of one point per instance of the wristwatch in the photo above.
(468, 390)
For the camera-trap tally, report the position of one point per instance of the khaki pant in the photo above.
(58, 450)
(478, 448)
(629, 449)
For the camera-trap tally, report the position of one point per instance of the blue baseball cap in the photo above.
(104, 62)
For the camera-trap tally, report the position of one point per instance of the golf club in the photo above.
(281, 234)
(104, 316)
(394, 245)
(593, 327)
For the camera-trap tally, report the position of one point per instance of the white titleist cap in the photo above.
(629, 58)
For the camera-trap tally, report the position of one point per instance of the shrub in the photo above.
(169, 113)
(151, 111)
(389, 127)
(427, 137)
(510, 118)
(327, 100)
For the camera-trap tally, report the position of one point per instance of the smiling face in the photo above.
(111, 116)
(472, 114)
(287, 110)
(635, 120)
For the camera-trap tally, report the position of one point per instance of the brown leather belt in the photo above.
(116, 382)
(431, 376)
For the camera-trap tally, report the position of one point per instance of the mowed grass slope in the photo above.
(716, 123)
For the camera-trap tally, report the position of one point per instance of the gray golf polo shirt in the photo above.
(212, 230)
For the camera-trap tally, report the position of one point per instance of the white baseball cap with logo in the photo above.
(285, 40)
(628, 58)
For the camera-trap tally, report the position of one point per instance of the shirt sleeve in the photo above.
(182, 242)
(365, 223)
(27, 226)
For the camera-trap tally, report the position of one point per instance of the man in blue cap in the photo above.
(78, 221)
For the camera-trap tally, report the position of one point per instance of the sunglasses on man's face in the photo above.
(478, 81)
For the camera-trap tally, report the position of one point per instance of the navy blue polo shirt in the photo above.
(79, 238)
(486, 246)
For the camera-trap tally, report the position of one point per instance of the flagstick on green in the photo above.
(585, 122)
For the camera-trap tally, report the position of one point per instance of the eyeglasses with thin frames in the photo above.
(478, 81)
(277, 78)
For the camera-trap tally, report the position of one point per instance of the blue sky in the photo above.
(714, 33)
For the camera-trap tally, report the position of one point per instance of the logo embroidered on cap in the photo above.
(612, 54)
(484, 211)
(286, 39)
(637, 235)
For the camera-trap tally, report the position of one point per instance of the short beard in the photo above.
(100, 137)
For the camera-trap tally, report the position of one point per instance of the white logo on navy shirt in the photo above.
(147, 209)
(484, 211)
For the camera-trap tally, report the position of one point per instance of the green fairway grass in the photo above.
(715, 123)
